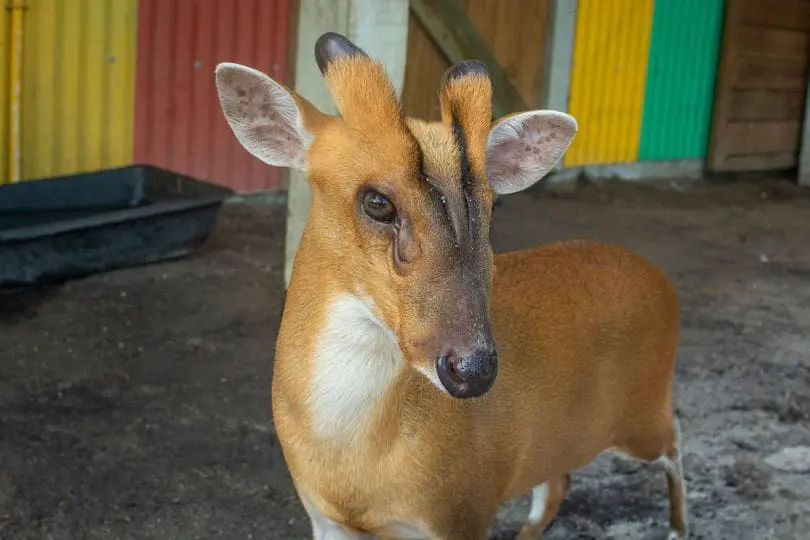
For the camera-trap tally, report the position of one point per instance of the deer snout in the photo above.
(468, 376)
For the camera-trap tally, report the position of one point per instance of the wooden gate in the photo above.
(508, 36)
(761, 85)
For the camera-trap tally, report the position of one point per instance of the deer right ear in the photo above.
(263, 115)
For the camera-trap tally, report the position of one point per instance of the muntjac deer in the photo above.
(419, 380)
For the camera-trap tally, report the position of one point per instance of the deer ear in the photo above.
(264, 116)
(523, 148)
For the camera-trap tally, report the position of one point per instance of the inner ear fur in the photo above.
(272, 122)
(523, 147)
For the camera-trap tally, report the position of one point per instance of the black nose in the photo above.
(468, 376)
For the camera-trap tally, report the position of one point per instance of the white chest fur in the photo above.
(356, 360)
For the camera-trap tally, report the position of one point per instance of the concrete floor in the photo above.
(134, 404)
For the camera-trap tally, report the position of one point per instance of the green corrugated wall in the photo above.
(680, 79)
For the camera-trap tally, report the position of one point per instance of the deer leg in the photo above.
(673, 464)
(546, 500)
(664, 445)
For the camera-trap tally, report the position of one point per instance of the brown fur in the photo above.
(586, 332)
(587, 335)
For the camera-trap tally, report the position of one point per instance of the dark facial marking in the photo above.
(439, 201)
(460, 70)
(464, 158)
(471, 206)
(437, 198)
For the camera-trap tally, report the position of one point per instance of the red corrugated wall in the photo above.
(178, 122)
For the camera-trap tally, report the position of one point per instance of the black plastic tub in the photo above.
(65, 227)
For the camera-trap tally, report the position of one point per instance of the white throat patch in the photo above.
(356, 360)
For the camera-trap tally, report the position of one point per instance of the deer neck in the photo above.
(352, 366)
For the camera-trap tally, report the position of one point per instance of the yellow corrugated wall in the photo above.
(611, 47)
(5, 22)
(78, 86)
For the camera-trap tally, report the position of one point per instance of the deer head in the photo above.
(401, 207)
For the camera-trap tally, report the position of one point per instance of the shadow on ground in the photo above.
(134, 404)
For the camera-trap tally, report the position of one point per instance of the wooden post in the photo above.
(804, 150)
(559, 57)
(380, 27)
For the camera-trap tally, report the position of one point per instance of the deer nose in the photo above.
(468, 376)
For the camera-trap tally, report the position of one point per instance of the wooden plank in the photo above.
(756, 40)
(759, 162)
(514, 32)
(762, 76)
(804, 152)
(557, 64)
(724, 86)
(482, 10)
(787, 14)
(764, 73)
(458, 39)
(556, 81)
(423, 72)
(509, 29)
(766, 105)
(744, 138)
(521, 50)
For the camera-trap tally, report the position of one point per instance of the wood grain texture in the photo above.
(752, 138)
(804, 152)
(766, 105)
(458, 39)
(761, 85)
(761, 41)
(787, 14)
(764, 73)
(514, 33)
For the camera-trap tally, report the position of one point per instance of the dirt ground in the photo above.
(134, 404)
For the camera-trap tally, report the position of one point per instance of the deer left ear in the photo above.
(523, 148)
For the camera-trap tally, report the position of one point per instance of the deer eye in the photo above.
(379, 207)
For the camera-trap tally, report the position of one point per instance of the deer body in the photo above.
(420, 381)
(574, 382)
